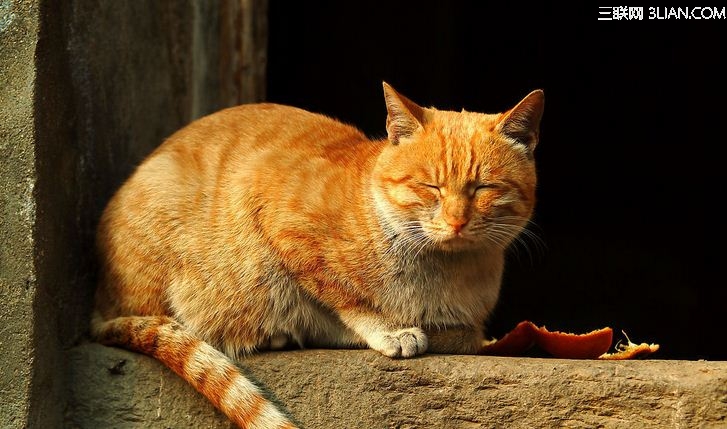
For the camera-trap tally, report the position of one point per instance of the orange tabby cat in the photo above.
(264, 225)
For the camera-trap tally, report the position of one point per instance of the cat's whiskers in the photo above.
(510, 233)
(403, 244)
(407, 239)
(500, 241)
(507, 238)
(528, 236)
(416, 250)
(500, 238)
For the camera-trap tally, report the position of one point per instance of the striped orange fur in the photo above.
(264, 225)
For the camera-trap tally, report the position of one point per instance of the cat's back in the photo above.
(250, 137)
(235, 148)
(260, 126)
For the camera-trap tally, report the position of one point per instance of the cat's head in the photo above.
(456, 180)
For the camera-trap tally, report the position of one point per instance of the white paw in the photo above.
(403, 343)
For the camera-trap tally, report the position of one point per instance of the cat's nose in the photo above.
(457, 225)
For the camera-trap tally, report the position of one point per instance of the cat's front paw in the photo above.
(404, 343)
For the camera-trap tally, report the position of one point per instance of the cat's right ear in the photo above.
(522, 122)
(404, 116)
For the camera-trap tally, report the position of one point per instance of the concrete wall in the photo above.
(18, 283)
(88, 89)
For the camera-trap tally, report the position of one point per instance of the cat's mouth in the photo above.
(456, 242)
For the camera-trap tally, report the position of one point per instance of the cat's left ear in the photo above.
(522, 122)
(405, 116)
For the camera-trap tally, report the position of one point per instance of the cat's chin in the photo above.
(457, 244)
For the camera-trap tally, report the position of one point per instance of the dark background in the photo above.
(631, 155)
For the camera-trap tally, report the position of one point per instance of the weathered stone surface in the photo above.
(361, 389)
(18, 38)
(115, 388)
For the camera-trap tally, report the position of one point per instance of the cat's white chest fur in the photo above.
(444, 289)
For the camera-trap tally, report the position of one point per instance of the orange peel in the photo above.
(591, 345)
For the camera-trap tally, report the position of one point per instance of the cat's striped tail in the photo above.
(204, 367)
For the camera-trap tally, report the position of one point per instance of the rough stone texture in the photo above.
(18, 38)
(87, 89)
(361, 389)
(119, 389)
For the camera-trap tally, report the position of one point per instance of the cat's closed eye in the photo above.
(485, 186)
(435, 188)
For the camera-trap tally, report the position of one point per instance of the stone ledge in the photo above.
(361, 389)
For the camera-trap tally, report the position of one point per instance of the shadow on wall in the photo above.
(113, 82)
